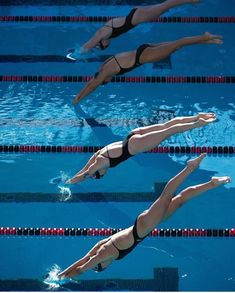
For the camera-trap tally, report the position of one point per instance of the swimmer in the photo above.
(120, 25)
(122, 243)
(139, 140)
(146, 53)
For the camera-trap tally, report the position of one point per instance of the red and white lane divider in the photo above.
(187, 232)
(225, 150)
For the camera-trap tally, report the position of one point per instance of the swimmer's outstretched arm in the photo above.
(81, 268)
(79, 177)
(93, 41)
(88, 164)
(71, 269)
(89, 87)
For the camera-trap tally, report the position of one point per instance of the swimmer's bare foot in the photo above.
(203, 122)
(212, 39)
(206, 115)
(194, 163)
(220, 180)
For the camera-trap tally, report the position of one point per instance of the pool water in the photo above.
(37, 113)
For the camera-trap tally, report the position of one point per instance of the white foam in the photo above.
(52, 279)
(65, 192)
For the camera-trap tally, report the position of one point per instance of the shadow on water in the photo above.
(100, 129)
(105, 134)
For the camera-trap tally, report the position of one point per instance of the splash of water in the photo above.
(62, 178)
(52, 279)
(65, 193)
(78, 53)
(60, 181)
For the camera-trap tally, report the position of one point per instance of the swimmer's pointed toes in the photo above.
(220, 180)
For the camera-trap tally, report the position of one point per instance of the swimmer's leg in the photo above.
(163, 50)
(176, 120)
(148, 220)
(146, 142)
(151, 12)
(193, 191)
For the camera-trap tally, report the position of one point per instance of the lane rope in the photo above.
(92, 149)
(123, 79)
(74, 19)
(187, 232)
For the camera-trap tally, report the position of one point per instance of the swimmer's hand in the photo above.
(76, 100)
(76, 54)
(53, 280)
(78, 178)
(91, 85)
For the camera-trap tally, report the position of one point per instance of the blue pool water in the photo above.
(43, 114)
